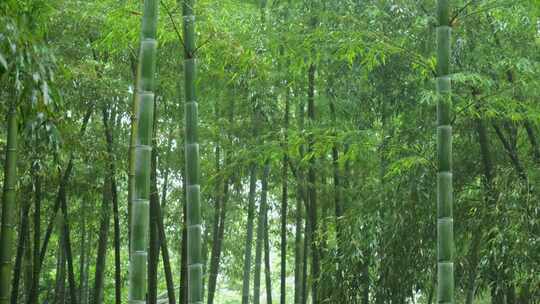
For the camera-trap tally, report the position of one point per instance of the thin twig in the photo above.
(174, 25)
(458, 12)
(476, 100)
(204, 43)
(132, 51)
(488, 8)
(423, 8)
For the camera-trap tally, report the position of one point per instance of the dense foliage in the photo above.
(317, 153)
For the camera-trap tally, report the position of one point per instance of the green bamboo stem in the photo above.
(27, 270)
(37, 234)
(22, 251)
(194, 227)
(445, 233)
(267, 269)
(284, 174)
(131, 156)
(300, 270)
(60, 280)
(312, 191)
(161, 228)
(249, 233)
(218, 208)
(153, 252)
(298, 244)
(9, 208)
(263, 210)
(143, 152)
(284, 205)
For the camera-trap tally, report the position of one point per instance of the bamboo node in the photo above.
(189, 18)
(140, 252)
(143, 147)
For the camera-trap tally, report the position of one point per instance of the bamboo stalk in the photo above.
(8, 207)
(445, 232)
(143, 152)
(194, 227)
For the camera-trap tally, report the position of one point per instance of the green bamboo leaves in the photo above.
(9, 209)
(143, 152)
(194, 227)
(445, 232)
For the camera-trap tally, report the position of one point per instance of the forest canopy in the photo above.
(291, 151)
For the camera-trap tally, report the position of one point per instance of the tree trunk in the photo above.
(33, 290)
(59, 290)
(165, 256)
(104, 223)
(194, 233)
(527, 124)
(216, 244)
(102, 243)
(512, 153)
(132, 144)
(267, 270)
(9, 209)
(60, 196)
(511, 294)
(489, 198)
(445, 232)
(162, 237)
(532, 139)
(473, 258)
(83, 254)
(62, 204)
(214, 268)
(21, 248)
(137, 285)
(284, 210)
(306, 251)
(260, 235)
(86, 286)
(365, 277)
(68, 251)
(430, 295)
(312, 190)
(337, 186)
(298, 247)
(284, 176)
(27, 264)
(117, 260)
(300, 268)
(183, 290)
(249, 233)
(109, 136)
(183, 264)
(153, 252)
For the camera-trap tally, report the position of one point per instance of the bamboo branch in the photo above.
(174, 24)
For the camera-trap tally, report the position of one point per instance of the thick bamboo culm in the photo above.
(194, 227)
(9, 208)
(445, 233)
(143, 152)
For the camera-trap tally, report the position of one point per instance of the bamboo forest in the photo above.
(270, 151)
